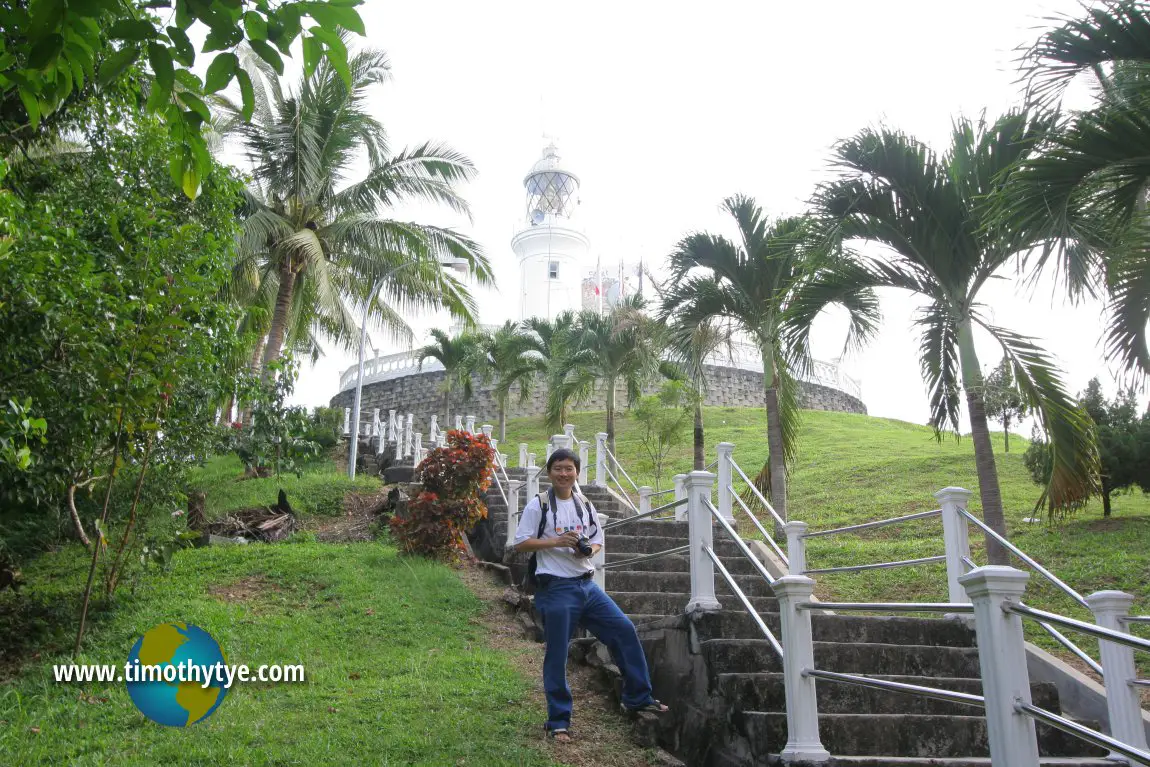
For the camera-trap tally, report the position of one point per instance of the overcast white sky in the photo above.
(663, 109)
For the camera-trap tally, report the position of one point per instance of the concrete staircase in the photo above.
(725, 683)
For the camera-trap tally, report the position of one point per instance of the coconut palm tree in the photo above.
(600, 352)
(932, 215)
(317, 243)
(548, 340)
(1084, 192)
(690, 347)
(769, 284)
(508, 359)
(460, 356)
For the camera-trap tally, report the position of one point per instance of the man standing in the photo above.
(564, 534)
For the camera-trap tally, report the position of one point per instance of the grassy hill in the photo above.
(854, 468)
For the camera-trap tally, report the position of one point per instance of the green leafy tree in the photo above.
(508, 359)
(1003, 401)
(662, 419)
(460, 357)
(549, 340)
(1083, 193)
(55, 54)
(933, 216)
(690, 346)
(310, 244)
(770, 283)
(1123, 444)
(601, 353)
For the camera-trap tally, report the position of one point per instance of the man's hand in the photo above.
(569, 539)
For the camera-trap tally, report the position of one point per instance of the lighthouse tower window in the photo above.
(553, 270)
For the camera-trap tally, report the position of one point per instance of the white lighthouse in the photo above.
(551, 247)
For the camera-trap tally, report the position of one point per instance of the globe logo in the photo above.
(176, 648)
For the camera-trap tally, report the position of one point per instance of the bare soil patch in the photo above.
(602, 735)
(251, 589)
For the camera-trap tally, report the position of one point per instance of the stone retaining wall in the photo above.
(422, 393)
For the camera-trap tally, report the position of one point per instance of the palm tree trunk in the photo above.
(1006, 432)
(776, 461)
(611, 417)
(254, 366)
(1105, 499)
(503, 419)
(700, 448)
(988, 489)
(279, 319)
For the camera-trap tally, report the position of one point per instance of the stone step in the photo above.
(765, 692)
(671, 603)
(913, 735)
(680, 563)
(649, 544)
(735, 623)
(644, 580)
(751, 655)
(911, 761)
(656, 528)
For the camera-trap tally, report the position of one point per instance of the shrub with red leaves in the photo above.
(454, 480)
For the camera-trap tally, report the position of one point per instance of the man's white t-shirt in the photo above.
(561, 561)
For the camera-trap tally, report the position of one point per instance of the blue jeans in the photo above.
(565, 603)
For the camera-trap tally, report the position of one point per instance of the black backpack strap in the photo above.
(580, 499)
(543, 514)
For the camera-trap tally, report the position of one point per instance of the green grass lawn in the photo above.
(397, 669)
(319, 490)
(853, 468)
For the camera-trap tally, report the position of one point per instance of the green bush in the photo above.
(325, 426)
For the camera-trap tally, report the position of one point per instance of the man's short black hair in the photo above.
(563, 454)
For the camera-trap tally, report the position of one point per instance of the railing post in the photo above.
(487, 429)
(417, 453)
(725, 480)
(408, 432)
(513, 486)
(680, 481)
(699, 516)
(347, 420)
(532, 480)
(803, 742)
(1122, 698)
(375, 430)
(392, 427)
(583, 468)
(399, 442)
(645, 498)
(433, 430)
(522, 455)
(1002, 659)
(557, 441)
(956, 537)
(458, 422)
(495, 446)
(569, 432)
(601, 459)
(600, 557)
(380, 435)
(443, 439)
(469, 424)
(796, 546)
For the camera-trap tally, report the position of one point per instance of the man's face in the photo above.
(563, 473)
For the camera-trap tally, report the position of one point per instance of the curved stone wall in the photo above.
(421, 393)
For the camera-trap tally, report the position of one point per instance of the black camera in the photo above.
(583, 546)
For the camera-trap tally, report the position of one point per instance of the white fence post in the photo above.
(725, 480)
(375, 427)
(1122, 698)
(796, 546)
(600, 557)
(601, 459)
(380, 436)
(458, 422)
(399, 442)
(956, 537)
(392, 427)
(408, 433)
(583, 468)
(469, 424)
(522, 455)
(803, 741)
(645, 498)
(443, 439)
(433, 430)
(418, 450)
(1002, 659)
(513, 486)
(702, 568)
(680, 481)
(556, 442)
(487, 429)
(569, 432)
(532, 479)
(347, 420)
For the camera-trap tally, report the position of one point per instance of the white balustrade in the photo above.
(417, 452)
(1002, 659)
(726, 474)
(645, 498)
(601, 459)
(803, 742)
(797, 547)
(533, 473)
(956, 538)
(487, 429)
(458, 422)
(583, 468)
(1122, 697)
(513, 486)
(408, 435)
(522, 455)
(433, 430)
(470, 424)
(392, 427)
(699, 516)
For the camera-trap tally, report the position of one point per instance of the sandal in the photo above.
(653, 706)
(559, 734)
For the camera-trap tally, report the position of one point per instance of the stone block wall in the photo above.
(422, 393)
